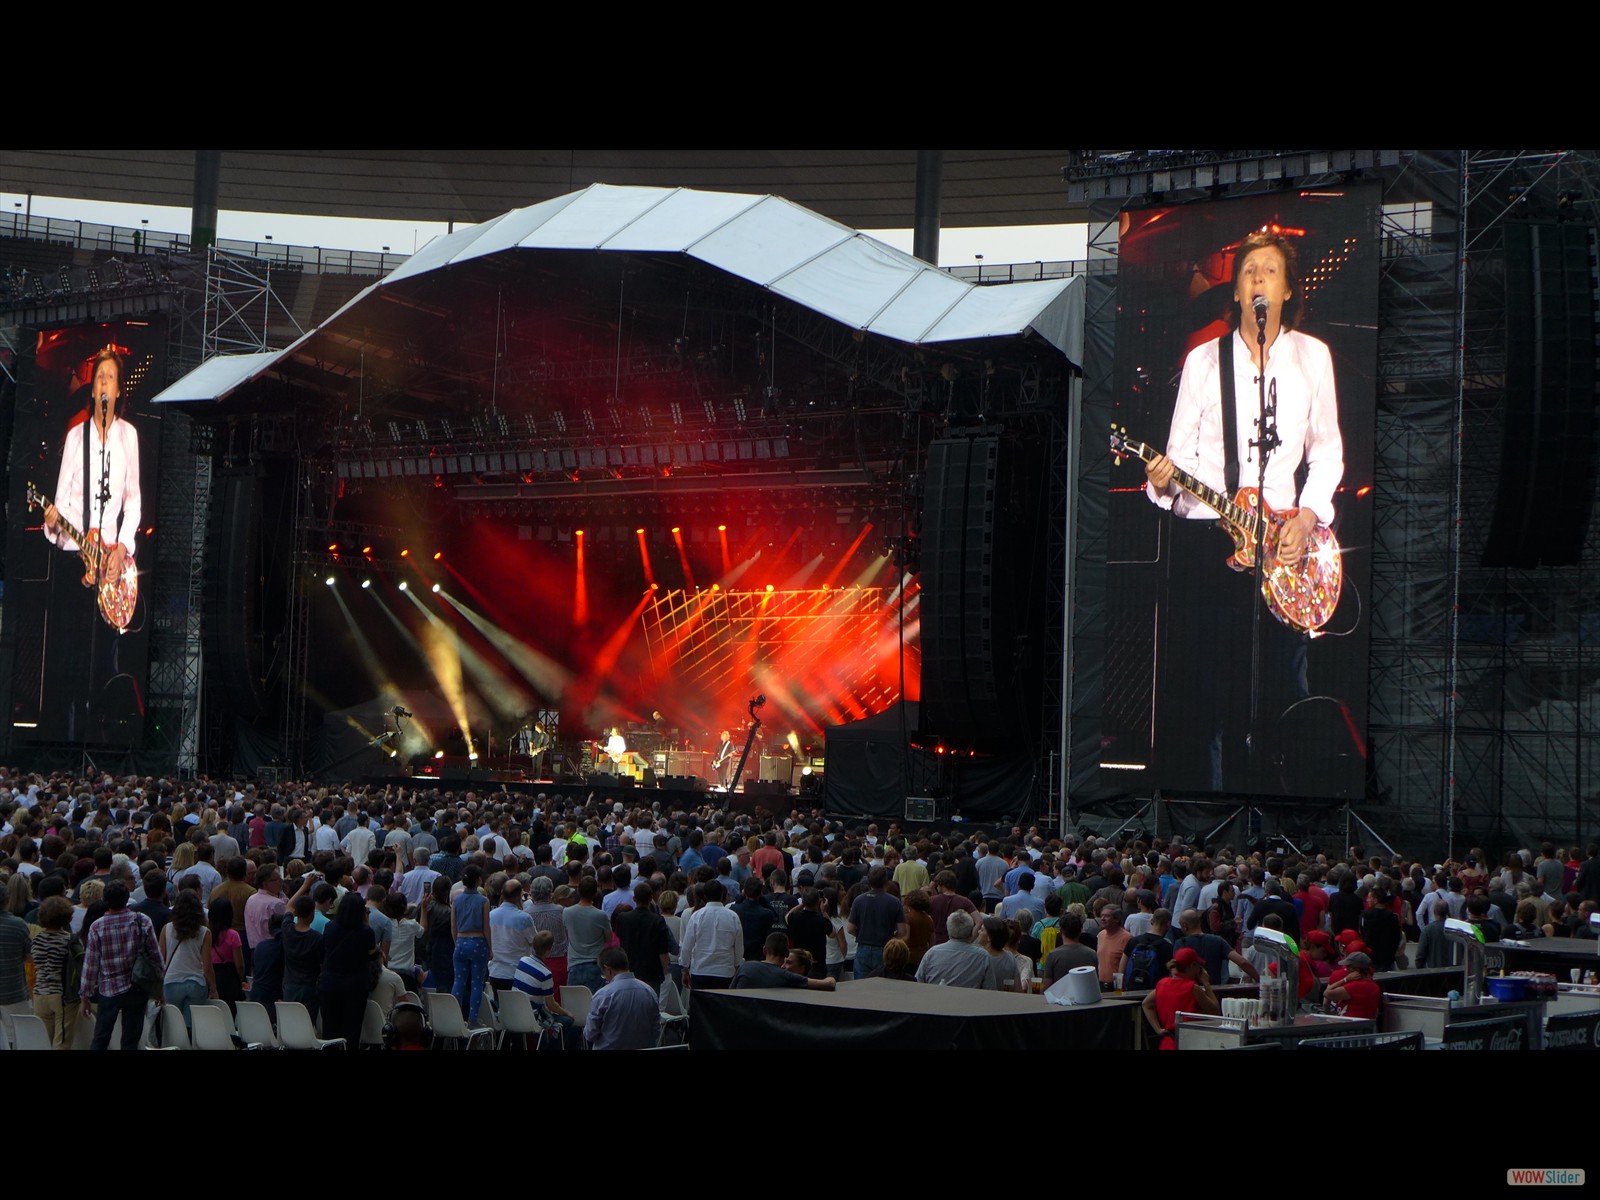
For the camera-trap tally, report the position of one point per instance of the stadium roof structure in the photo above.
(865, 189)
(765, 241)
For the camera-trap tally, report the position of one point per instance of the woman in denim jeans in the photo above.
(186, 949)
(469, 926)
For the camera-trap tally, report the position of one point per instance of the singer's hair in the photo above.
(1290, 319)
(111, 356)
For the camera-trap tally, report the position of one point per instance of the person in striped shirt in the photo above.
(536, 980)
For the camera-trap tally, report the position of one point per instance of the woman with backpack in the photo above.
(186, 949)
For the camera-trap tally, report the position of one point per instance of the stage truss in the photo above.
(829, 653)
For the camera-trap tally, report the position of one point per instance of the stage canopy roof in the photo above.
(767, 241)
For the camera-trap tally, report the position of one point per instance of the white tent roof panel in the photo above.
(852, 282)
(216, 376)
(770, 240)
(680, 220)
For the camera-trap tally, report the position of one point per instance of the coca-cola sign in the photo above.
(1508, 1034)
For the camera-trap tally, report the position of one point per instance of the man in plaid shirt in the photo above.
(115, 942)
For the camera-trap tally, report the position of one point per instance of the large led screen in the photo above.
(81, 540)
(1222, 679)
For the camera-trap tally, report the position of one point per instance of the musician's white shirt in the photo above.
(1308, 423)
(121, 463)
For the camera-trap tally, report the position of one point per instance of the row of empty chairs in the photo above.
(512, 1013)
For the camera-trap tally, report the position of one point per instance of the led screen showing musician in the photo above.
(1246, 345)
(84, 461)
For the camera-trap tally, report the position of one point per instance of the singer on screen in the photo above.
(1205, 700)
(96, 496)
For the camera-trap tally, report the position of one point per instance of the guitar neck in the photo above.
(64, 525)
(1237, 515)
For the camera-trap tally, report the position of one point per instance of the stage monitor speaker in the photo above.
(683, 783)
(766, 787)
(605, 779)
(689, 762)
(1546, 478)
(921, 808)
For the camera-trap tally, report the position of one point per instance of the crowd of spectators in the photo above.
(333, 896)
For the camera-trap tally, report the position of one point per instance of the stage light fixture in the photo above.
(473, 757)
(438, 754)
(333, 547)
(769, 587)
(437, 555)
(365, 584)
(328, 581)
(436, 589)
(722, 529)
(402, 585)
(405, 554)
(640, 529)
(366, 549)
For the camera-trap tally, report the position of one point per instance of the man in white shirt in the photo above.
(414, 884)
(359, 842)
(81, 645)
(712, 946)
(1211, 605)
(327, 837)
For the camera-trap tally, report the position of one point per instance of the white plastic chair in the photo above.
(372, 1026)
(227, 1015)
(577, 1000)
(210, 1030)
(297, 1031)
(444, 1014)
(30, 1033)
(672, 1014)
(255, 1026)
(518, 1014)
(173, 1031)
(489, 1011)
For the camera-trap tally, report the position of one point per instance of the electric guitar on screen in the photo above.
(117, 600)
(1303, 597)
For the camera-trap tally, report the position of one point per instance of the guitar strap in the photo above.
(83, 516)
(1230, 430)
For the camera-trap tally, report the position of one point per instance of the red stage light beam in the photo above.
(644, 557)
(580, 593)
(683, 556)
(838, 570)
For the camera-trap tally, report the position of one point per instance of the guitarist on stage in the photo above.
(81, 647)
(726, 759)
(1203, 692)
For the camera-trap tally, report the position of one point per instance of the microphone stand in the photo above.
(1264, 444)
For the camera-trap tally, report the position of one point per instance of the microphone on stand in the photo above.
(1260, 306)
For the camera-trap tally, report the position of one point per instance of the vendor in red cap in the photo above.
(1321, 951)
(1352, 946)
(1357, 994)
(1187, 988)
